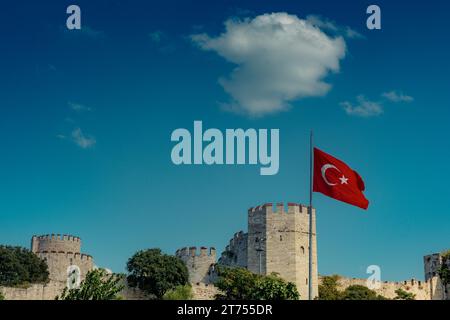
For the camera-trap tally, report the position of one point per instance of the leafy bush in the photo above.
(358, 292)
(19, 266)
(241, 284)
(98, 285)
(155, 272)
(1, 297)
(328, 289)
(444, 270)
(403, 295)
(179, 293)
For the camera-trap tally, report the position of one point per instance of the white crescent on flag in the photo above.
(324, 169)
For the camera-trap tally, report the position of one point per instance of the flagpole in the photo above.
(310, 277)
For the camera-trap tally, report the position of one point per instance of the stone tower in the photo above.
(63, 256)
(235, 254)
(278, 241)
(432, 264)
(200, 266)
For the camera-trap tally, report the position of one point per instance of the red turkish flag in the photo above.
(335, 179)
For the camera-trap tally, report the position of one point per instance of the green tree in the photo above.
(444, 270)
(328, 289)
(98, 285)
(241, 284)
(358, 292)
(156, 273)
(272, 287)
(19, 266)
(1, 297)
(179, 293)
(403, 295)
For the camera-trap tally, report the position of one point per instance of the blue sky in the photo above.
(86, 119)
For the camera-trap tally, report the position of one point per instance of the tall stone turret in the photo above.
(433, 264)
(278, 241)
(199, 264)
(63, 255)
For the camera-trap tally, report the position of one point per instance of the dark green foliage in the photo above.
(444, 271)
(155, 272)
(403, 295)
(19, 266)
(179, 293)
(98, 285)
(241, 284)
(358, 292)
(328, 289)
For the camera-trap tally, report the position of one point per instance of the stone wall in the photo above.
(55, 243)
(200, 265)
(424, 290)
(203, 291)
(129, 293)
(235, 253)
(278, 241)
(60, 252)
(47, 291)
(58, 264)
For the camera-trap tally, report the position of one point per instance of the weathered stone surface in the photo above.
(47, 291)
(199, 264)
(424, 290)
(60, 252)
(277, 241)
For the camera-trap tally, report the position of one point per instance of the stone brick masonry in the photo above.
(277, 241)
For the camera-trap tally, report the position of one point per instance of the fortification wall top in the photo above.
(187, 252)
(66, 255)
(279, 208)
(56, 243)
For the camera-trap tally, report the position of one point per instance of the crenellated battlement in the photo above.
(66, 255)
(58, 237)
(279, 208)
(237, 237)
(200, 264)
(278, 241)
(61, 251)
(192, 252)
(235, 253)
(423, 290)
(236, 241)
(56, 243)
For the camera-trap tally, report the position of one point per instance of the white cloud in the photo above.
(78, 107)
(81, 140)
(363, 108)
(332, 27)
(395, 96)
(279, 58)
(322, 23)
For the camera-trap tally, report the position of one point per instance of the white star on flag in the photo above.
(343, 180)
